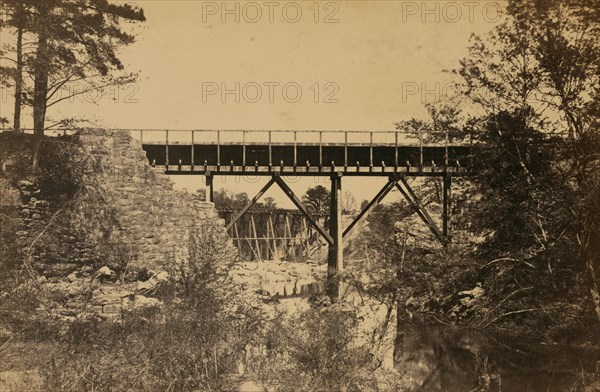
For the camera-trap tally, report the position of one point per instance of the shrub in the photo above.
(60, 167)
(16, 152)
(191, 344)
(316, 351)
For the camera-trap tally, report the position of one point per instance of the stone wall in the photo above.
(121, 233)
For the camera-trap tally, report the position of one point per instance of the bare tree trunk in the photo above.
(40, 90)
(19, 70)
(594, 289)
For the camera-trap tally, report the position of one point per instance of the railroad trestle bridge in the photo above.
(395, 155)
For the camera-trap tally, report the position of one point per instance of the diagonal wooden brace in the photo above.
(370, 207)
(251, 203)
(298, 203)
(413, 200)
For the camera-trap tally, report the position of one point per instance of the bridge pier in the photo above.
(335, 259)
(209, 190)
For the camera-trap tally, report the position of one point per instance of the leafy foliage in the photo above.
(316, 351)
(61, 167)
(192, 343)
(537, 84)
(70, 44)
(317, 199)
(237, 201)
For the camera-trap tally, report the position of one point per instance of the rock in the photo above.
(59, 269)
(111, 298)
(70, 239)
(64, 289)
(154, 281)
(263, 293)
(105, 272)
(162, 276)
(25, 185)
(475, 293)
(141, 301)
(144, 286)
(68, 312)
(41, 204)
(112, 309)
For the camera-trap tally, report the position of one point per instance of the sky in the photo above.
(256, 65)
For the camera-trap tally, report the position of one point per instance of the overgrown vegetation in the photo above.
(320, 350)
(61, 180)
(192, 341)
(61, 165)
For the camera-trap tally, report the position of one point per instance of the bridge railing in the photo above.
(272, 140)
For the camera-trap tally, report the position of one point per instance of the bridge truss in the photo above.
(274, 234)
(395, 155)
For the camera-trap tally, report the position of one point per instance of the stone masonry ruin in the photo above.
(100, 251)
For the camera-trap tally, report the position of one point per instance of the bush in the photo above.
(16, 153)
(141, 353)
(192, 343)
(60, 167)
(316, 351)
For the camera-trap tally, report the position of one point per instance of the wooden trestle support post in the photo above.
(335, 259)
(210, 195)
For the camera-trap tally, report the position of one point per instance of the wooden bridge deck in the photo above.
(263, 153)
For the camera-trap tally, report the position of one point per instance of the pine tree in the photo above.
(75, 41)
(16, 19)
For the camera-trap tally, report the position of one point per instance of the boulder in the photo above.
(105, 273)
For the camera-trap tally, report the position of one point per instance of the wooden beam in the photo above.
(252, 202)
(243, 150)
(420, 151)
(167, 149)
(237, 237)
(255, 234)
(287, 235)
(335, 256)
(295, 150)
(274, 235)
(369, 208)
(370, 150)
(270, 152)
(305, 237)
(192, 153)
(209, 192)
(396, 151)
(289, 193)
(320, 150)
(345, 150)
(218, 148)
(251, 248)
(413, 200)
